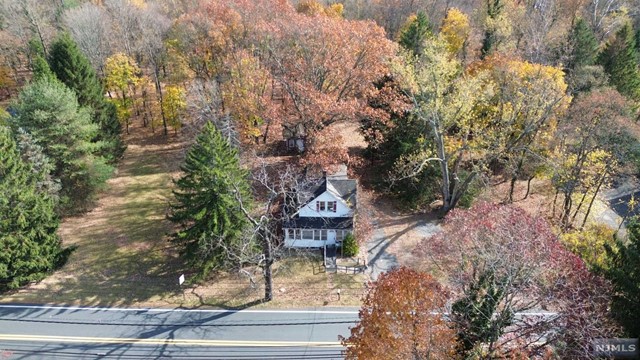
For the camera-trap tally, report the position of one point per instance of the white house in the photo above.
(326, 218)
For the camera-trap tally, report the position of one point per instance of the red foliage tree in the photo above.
(529, 271)
(402, 318)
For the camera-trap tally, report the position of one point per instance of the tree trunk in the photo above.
(268, 278)
(566, 211)
(555, 199)
(124, 103)
(528, 187)
(512, 188)
(575, 213)
(514, 177)
(156, 75)
(600, 183)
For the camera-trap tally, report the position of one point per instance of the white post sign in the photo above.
(181, 279)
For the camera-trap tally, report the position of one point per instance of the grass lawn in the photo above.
(123, 257)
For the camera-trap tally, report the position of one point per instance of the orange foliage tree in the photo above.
(401, 318)
(291, 69)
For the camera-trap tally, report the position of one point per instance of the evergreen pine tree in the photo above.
(41, 166)
(28, 223)
(490, 40)
(49, 111)
(624, 273)
(207, 205)
(413, 36)
(620, 60)
(75, 71)
(41, 69)
(583, 44)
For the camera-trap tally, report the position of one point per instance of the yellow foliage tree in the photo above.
(589, 244)
(173, 105)
(455, 30)
(313, 8)
(123, 76)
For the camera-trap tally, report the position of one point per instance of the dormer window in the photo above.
(326, 206)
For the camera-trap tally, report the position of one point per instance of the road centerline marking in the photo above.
(153, 341)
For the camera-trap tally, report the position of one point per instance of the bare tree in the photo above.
(153, 31)
(29, 20)
(276, 188)
(90, 27)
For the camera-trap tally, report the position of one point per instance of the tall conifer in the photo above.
(584, 46)
(620, 60)
(49, 111)
(28, 223)
(207, 202)
(624, 273)
(415, 33)
(75, 71)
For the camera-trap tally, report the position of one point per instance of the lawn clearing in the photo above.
(122, 256)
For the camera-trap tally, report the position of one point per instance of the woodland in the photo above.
(453, 98)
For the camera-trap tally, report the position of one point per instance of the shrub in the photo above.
(350, 246)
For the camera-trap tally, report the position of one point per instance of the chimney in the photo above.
(324, 174)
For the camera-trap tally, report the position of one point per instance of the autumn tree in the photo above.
(444, 100)
(173, 106)
(589, 243)
(501, 262)
(589, 149)
(30, 246)
(521, 117)
(209, 197)
(402, 318)
(455, 31)
(123, 76)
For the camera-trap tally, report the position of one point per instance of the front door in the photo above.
(331, 236)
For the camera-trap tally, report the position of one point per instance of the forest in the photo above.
(506, 120)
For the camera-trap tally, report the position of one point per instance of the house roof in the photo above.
(319, 223)
(342, 188)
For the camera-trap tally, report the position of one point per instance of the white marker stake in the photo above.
(180, 282)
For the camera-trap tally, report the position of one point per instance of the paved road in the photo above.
(621, 204)
(43, 332)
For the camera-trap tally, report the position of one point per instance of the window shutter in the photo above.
(334, 205)
(317, 205)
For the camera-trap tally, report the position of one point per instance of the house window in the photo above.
(323, 235)
(332, 205)
(340, 234)
(307, 234)
(320, 206)
(297, 234)
(290, 234)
